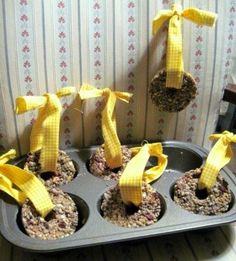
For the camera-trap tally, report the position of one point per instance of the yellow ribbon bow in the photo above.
(112, 146)
(174, 59)
(219, 156)
(45, 131)
(30, 186)
(134, 174)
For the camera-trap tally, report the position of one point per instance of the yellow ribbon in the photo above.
(219, 156)
(130, 183)
(29, 186)
(112, 146)
(45, 131)
(174, 59)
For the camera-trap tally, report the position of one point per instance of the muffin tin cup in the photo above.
(87, 190)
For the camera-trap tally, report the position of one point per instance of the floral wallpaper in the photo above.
(46, 45)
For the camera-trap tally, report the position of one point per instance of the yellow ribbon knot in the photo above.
(174, 56)
(112, 146)
(45, 131)
(28, 186)
(219, 156)
(130, 183)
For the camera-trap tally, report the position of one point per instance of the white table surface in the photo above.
(213, 244)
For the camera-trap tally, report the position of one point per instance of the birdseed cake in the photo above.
(65, 169)
(172, 99)
(187, 195)
(98, 165)
(115, 211)
(61, 222)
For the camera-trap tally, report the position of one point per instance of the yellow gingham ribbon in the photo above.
(130, 183)
(112, 146)
(45, 131)
(174, 59)
(219, 156)
(29, 185)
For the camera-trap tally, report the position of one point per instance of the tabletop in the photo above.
(217, 243)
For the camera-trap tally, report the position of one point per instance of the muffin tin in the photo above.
(87, 190)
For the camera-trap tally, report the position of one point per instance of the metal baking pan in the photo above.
(87, 190)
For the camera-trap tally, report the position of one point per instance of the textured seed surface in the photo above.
(61, 222)
(171, 99)
(65, 169)
(115, 211)
(98, 165)
(216, 201)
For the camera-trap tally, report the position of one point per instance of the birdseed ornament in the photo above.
(173, 89)
(44, 156)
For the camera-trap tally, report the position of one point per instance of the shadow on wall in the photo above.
(72, 116)
(154, 56)
(24, 147)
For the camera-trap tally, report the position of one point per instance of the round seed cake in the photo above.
(98, 165)
(65, 169)
(172, 99)
(115, 211)
(61, 222)
(187, 196)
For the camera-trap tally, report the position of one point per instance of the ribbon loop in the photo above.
(28, 103)
(45, 131)
(29, 185)
(134, 174)
(162, 17)
(65, 91)
(123, 96)
(174, 55)
(219, 156)
(177, 10)
(88, 91)
(11, 154)
(112, 146)
(226, 136)
(200, 17)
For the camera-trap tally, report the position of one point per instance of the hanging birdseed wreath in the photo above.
(173, 89)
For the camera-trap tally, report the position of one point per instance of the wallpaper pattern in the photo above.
(46, 45)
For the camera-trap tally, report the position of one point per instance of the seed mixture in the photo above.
(115, 211)
(98, 165)
(65, 169)
(171, 99)
(61, 222)
(214, 202)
